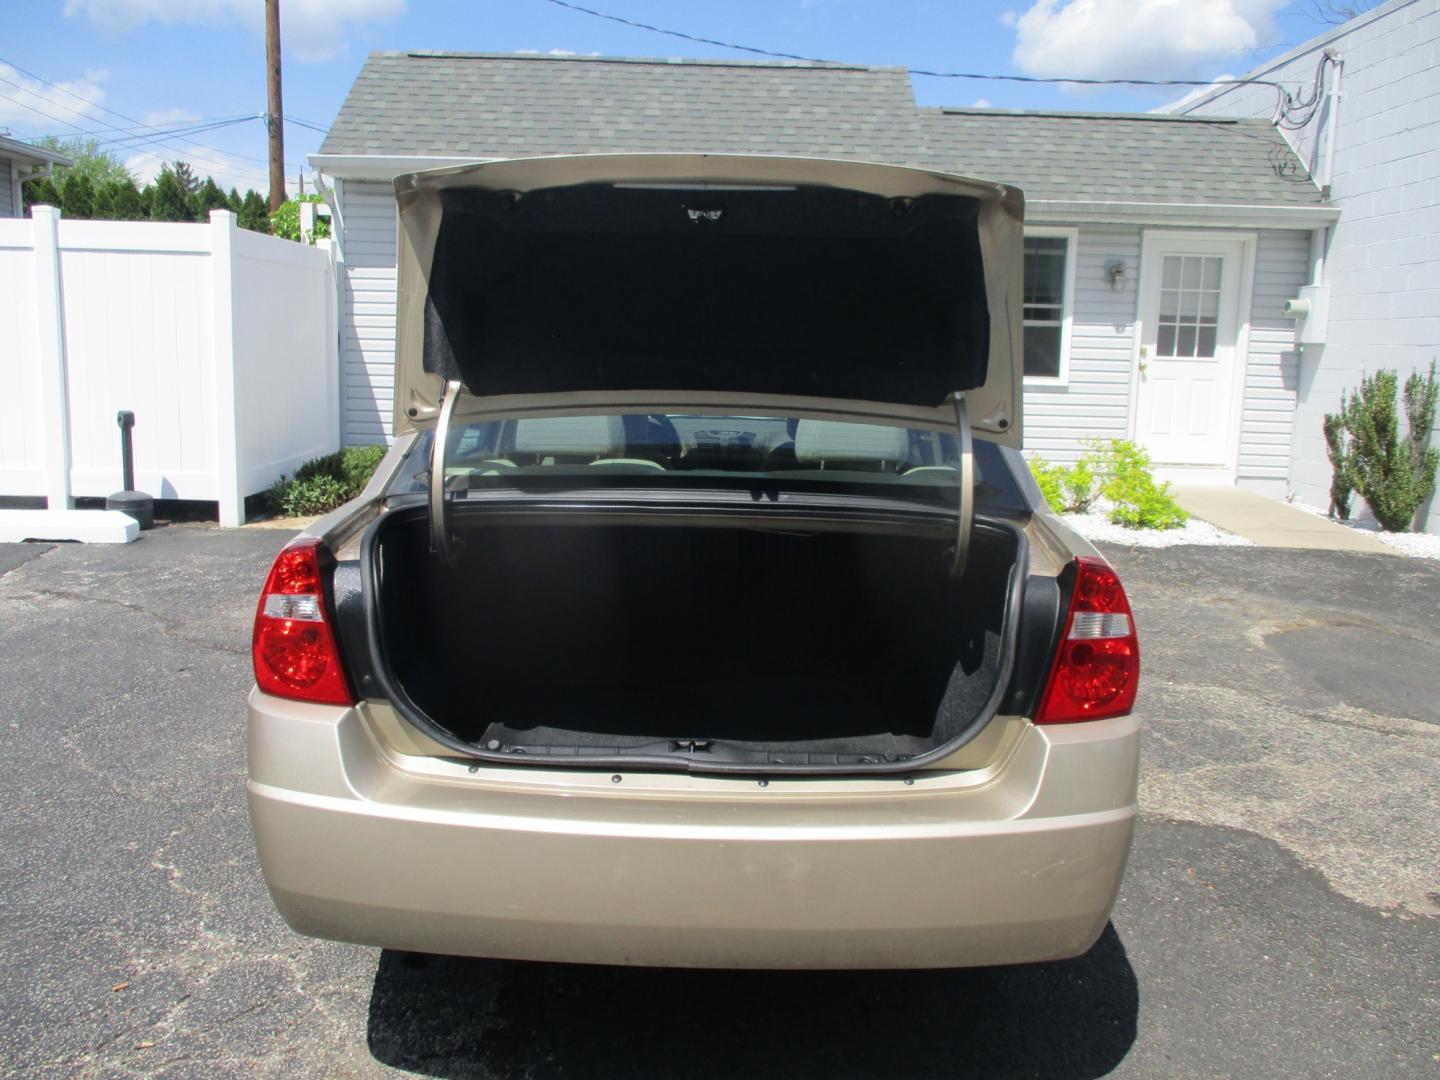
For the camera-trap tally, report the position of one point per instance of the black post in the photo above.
(137, 504)
(126, 420)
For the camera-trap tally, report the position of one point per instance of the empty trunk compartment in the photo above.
(693, 644)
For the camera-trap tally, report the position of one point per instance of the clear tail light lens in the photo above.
(1097, 667)
(293, 646)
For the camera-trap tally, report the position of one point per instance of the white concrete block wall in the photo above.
(1383, 261)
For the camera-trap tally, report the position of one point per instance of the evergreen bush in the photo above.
(1396, 476)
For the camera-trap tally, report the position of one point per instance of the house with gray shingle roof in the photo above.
(1160, 250)
(19, 161)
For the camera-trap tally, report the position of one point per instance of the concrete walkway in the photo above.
(1271, 523)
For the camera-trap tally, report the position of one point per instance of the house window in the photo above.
(1049, 287)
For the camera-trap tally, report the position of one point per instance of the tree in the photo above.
(77, 196)
(41, 192)
(90, 159)
(185, 177)
(92, 163)
(120, 200)
(254, 212)
(232, 201)
(208, 197)
(1335, 12)
(168, 200)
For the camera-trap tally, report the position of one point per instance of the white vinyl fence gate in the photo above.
(223, 342)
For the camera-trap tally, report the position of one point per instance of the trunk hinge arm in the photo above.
(965, 500)
(440, 540)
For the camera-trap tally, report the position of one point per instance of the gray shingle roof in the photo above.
(511, 105)
(504, 105)
(1130, 157)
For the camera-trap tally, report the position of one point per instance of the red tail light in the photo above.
(293, 646)
(1097, 666)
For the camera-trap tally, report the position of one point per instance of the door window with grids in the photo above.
(1047, 305)
(1189, 306)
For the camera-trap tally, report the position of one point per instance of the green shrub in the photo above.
(1395, 476)
(1051, 481)
(1068, 490)
(1136, 500)
(1081, 484)
(323, 483)
(313, 495)
(285, 222)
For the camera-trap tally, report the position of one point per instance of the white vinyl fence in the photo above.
(223, 342)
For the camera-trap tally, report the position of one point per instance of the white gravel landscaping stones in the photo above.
(1416, 545)
(1096, 526)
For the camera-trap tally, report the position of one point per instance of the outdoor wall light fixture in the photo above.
(1115, 271)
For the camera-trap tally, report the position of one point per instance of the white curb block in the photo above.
(87, 526)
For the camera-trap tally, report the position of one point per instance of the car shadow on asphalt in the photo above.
(454, 1017)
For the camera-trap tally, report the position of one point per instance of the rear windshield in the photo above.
(710, 450)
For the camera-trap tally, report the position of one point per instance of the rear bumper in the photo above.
(1016, 862)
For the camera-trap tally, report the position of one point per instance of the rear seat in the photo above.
(833, 444)
(576, 440)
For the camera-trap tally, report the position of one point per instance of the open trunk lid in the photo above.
(777, 286)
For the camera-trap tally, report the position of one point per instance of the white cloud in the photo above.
(310, 30)
(1199, 91)
(170, 117)
(1175, 39)
(35, 104)
(1008, 18)
(981, 103)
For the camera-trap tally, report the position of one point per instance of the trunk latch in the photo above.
(690, 746)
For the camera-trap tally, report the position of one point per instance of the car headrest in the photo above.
(571, 436)
(834, 440)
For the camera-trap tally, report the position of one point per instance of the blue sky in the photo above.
(109, 67)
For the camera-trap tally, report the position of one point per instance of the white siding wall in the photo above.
(367, 311)
(1383, 263)
(1096, 401)
(1271, 365)
(9, 189)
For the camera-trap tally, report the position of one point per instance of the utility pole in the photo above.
(275, 112)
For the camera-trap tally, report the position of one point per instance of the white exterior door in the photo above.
(1191, 293)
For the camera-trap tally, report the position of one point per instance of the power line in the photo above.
(988, 76)
(142, 138)
(306, 124)
(158, 140)
(170, 142)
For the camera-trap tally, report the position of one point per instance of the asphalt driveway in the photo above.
(1281, 915)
